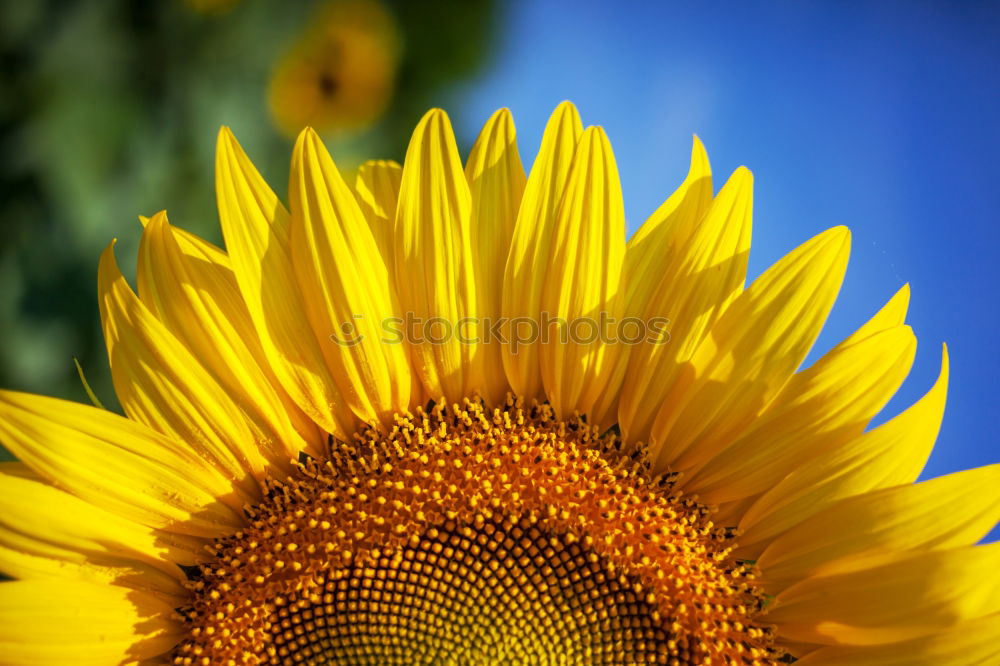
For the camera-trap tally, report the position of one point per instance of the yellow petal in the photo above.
(890, 455)
(433, 246)
(48, 533)
(581, 290)
(21, 558)
(160, 383)
(667, 231)
(893, 313)
(750, 352)
(604, 412)
(73, 523)
(345, 287)
(972, 643)
(819, 408)
(119, 465)
(530, 250)
(954, 510)
(62, 622)
(25, 558)
(194, 245)
(903, 599)
(256, 228)
(496, 182)
(196, 297)
(691, 288)
(377, 190)
(776, 462)
(197, 246)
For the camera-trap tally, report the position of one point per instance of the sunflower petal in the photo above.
(819, 408)
(750, 352)
(160, 383)
(195, 295)
(972, 643)
(667, 231)
(433, 243)
(377, 190)
(119, 465)
(954, 510)
(890, 455)
(776, 467)
(900, 600)
(256, 227)
(701, 278)
(584, 277)
(345, 286)
(893, 313)
(46, 532)
(496, 181)
(530, 250)
(73, 622)
(22, 558)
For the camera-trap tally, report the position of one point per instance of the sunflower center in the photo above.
(470, 536)
(327, 84)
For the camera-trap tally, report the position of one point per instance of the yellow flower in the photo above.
(441, 417)
(340, 75)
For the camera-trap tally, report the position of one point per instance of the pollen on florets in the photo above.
(476, 536)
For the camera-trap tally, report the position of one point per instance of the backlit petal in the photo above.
(819, 408)
(954, 510)
(890, 455)
(119, 465)
(972, 643)
(750, 352)
(667, 231)
(582, 291)
(58, 622)
(433, 245)
(496, 182)
(345, 287)
(48, 533)
(900, 600)
(688, 291)
(162, 385)
(377, 190)
(197, 298)
(256, 227)
(530, 250)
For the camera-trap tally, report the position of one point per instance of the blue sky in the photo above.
(881, 116)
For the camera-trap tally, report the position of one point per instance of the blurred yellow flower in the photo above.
(341, 73)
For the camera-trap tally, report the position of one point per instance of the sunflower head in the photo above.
(447, 414)
(340, 74)
(471, 535)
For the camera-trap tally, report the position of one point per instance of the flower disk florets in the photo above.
(476, 536)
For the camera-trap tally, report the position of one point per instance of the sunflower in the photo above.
(340, 74)
(449, 416)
